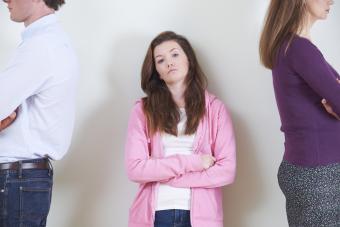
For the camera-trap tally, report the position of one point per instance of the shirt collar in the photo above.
(31, 29)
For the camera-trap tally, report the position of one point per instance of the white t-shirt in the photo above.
(170, 197)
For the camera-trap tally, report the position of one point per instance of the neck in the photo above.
(305, 31)
(177, 91)
(40, 12)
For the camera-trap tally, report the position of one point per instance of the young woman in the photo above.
(308, 98)
(180, 144)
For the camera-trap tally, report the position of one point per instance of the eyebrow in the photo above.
(173, 49)
(169, 51)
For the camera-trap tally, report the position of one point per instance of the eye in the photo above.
(175, 55)
(160, 61)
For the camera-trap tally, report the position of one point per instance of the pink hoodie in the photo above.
(146, 165)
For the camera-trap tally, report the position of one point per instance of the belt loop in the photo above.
(50, 170)
(20, 169)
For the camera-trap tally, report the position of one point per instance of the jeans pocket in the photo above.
(35, 200)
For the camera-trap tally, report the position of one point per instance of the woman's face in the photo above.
(171, 62)
(319, 9)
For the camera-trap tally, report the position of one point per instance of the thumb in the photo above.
(13, 115)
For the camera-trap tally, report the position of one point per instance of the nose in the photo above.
(170, 64)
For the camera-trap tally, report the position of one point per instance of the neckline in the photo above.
(306, 39)
(38, 24)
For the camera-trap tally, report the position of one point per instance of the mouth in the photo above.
(172, 70)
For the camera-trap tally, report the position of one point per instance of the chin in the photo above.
(15, 19)
(18, 17)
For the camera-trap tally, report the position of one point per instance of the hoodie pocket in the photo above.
(208, 204)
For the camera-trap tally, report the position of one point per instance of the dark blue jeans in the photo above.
(25, 197)
(171, 218)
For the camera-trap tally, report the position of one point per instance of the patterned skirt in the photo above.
(312, 194)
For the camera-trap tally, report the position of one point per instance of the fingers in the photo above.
(212, 161)
(329, 108)
(7, 121)
(13, 115)
(325, 104)
(207, 161)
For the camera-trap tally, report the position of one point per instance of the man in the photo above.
(37, 102)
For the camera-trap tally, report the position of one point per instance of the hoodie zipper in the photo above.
(198, 138)
(197, 141)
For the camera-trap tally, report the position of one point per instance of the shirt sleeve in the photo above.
(24, 75)
(141, 167)
(308, 62)
(335, 73)
(224, 170)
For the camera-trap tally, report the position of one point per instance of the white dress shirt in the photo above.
(169, 197)
(40, 80)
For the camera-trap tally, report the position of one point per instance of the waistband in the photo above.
(41, 163)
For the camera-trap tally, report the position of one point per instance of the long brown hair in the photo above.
(159, 107)
(284, 20)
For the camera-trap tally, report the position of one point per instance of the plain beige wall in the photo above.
(111, 37)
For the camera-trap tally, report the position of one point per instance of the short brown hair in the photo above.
(159, 107)
(54, 4)
(284, 20)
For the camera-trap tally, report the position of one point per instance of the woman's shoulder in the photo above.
(217, 110)
(301, 50)
(137, 108)
(302, 45)
(213, 101)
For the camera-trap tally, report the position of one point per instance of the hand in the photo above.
(329, 109)
(7, 121)
(207, 161)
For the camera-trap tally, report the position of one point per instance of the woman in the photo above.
(180, 144)
(308, 98)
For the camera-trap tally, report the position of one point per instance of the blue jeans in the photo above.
(171, 218)
(25, 197)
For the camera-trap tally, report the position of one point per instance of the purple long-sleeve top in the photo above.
(302, 78)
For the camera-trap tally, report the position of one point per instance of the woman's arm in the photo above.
(141, 167)
(309, 63)
(223, 172)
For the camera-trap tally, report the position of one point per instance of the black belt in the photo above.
(20, 165)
